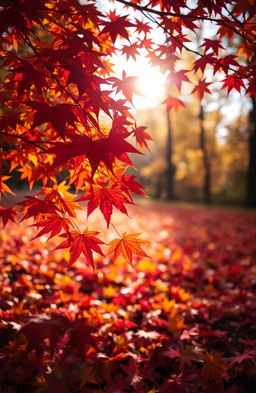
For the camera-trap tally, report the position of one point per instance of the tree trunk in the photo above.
(251, 172)
(158, 187)
(170, 169)
(207, 197)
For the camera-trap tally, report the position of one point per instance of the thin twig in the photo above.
(35, 143)
(28, 41)
(210, 59)
(175, 14)
(225, 22)
(116, 230)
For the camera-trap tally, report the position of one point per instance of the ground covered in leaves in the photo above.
(181, 320)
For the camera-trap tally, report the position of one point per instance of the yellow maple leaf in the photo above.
(127, 245)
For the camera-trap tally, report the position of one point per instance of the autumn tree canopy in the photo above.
(65, 111)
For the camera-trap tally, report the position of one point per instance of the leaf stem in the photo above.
(75, 226)
(116, 230)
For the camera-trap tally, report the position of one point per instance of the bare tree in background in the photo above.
(170, 166)
(251, 172)
(207, 198)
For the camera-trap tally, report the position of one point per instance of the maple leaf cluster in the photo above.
(182, 320)
(66, 115)
(54, 88)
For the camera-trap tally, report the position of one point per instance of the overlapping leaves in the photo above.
(66, 112)
(168, 324)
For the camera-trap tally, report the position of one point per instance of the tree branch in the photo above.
(35, 143)
(225, 22)
(30, 44)
(175, 14)
(210, 59)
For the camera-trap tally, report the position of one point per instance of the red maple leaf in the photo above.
(201, 88)
(200, 64)
(164, 4)
(9, 17)
(34, 206)
(104, 150)
(147, 43)
(226, 31)
(40, 327)
(10, 120)
(233, 82)
(126, 183)
(116, 384)
(214, 367)
(128, 85)
(28, 76)
(130, 50)
(81, 337)
(59, 115)
(177, 78)
(142, 137)
(117, 27)
(86, 81)
(105, 198)
(213, 45)
(173, 103)
(188, 22)
(7, 214)
(176, 42)
(81, 243)
(142, 27)
(54, 224)
(248, 354)
(224, 63)
(20, 18)
(172, 353)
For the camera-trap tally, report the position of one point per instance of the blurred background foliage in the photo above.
(227, 149)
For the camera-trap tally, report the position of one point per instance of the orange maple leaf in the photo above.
(63, 199)
(214, 368)
(127, 246)
(3, 187)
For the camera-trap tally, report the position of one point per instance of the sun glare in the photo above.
(151, 82)
(151, 86)
(150, 89)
